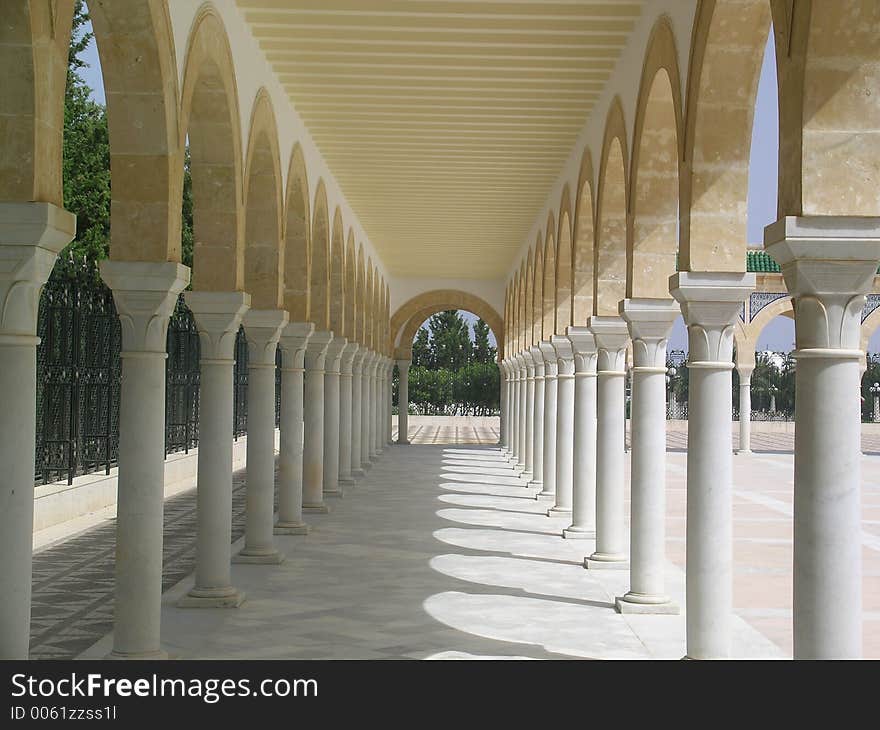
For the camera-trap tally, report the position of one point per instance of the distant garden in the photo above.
(452, 373)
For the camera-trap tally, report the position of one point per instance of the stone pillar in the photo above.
(530, 416)
(583, 498)
(313, 436)
(828, 264)
(346, 411)
(373, 403)
(502, 415)
(294, 340)
(745, 409)
(522, 415)
(403, 402)
(145, 295)
(331, 416)
(218, 317)
(513, 427)
(564, 426)
(548, 431)
(263, 329)
(711, 303)
(611, 337)
(389, 389)
(31, 235)
(538, 419)
(367, 410)
(650, 321)
(357, 402)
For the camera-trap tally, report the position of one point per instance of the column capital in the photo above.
(745, 373)
(316, 350)
(828, 264)
(564, 355)
(346, 362)
(551, 365)
(294, 340)
(334, 354)
(537, 360)
(649, 322)
(583, 346)
(31, 236)
(145, 295)
(218, 317)
(711, 303)
(263, 328)
(403, 365)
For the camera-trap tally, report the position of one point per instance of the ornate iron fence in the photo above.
(182, 382)
(239, 385)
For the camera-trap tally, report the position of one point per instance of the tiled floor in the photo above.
(441, 552)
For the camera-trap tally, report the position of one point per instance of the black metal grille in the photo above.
(239, 385)
(278, 387)
(78, 372)
(182, 381)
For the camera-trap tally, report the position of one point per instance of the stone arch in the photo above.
(34, 38)
(406, 321)
(609, 260)
(549, 283)
(725, 63)
(297, 226)
(828, 59)
(564, 265)
(263, 254)
(360, 310)
(368, 307)
(507, 294)
(319, 279)
(337, 275)
(528, 300)
(210, 117)
(869, 326)
(652, 245)
(136, 47)
(584, 244)
(386, 321)
(350, 293)
(745, 335)
(537, 303)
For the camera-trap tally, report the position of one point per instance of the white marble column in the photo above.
(263, 329)
(294, 340)
(145, 295)
(528, 474)
(375, 417)
(332, 364)
(31, 235)
(403, 402)
(564, 426)
(711, 303)
(745, 409)
(611, 337)
(313, 416)
(367, 413)
(513, 426)
(346, 414)
(502, 416)
(828, 264)
(523, 414)
(389, 389)
(218, 317)
(583, 498)
(548, 431)
(650, 321)
(538, 419)
(357, 424)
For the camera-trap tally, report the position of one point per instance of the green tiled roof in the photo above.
(761, 262)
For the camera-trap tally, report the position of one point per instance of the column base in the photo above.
(358, 473)
(316, 509)
(742, 452)
(545, 495)
(336, 493)
(638, 603)
(212, 598)
(403, 443)
(291, 528)
(606, 561)
(558, 512)
(259, 558)
(346, 482)
(527, 475)
(148, 655)
(578, 533)
(366, 466)
(536, 483)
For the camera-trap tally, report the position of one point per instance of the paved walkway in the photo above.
(442, 552)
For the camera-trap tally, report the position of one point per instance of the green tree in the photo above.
(421, 350)
(483, 351)
(450, 340)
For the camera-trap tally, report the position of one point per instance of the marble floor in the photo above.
(441, 552)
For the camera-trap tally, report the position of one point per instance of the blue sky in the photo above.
(779, 334)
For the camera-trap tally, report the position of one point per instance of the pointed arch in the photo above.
(548, 284)
(611, 216)
(725, 64)
(210, 119)
(584, 244)
(361, 300)
(297, 227)
(652, 245)
(537, 303)
(337, 275)
(319, 280)
(263, 253)
(529, 303)
(564, 265)
(350, 293)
